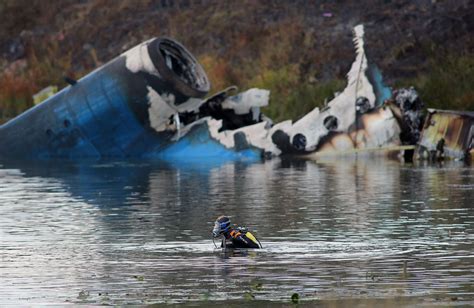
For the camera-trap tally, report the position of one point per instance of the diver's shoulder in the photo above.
(242, 229)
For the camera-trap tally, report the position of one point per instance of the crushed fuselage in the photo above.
(148, 103)
(447, 134)
(355, 119)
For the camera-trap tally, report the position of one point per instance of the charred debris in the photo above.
(150, 103)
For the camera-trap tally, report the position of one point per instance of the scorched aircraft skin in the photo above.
(148, 103)
(121, 110)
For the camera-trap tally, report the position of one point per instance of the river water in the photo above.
(139, 233)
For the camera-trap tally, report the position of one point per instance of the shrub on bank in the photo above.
(447, 84)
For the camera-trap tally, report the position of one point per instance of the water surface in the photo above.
(139, 233)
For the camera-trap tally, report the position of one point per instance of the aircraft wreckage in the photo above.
(148, 103)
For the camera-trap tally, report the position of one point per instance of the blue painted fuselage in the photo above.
(105, 115)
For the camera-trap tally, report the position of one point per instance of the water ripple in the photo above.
(136, 233)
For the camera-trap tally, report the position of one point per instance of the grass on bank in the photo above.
(447, 85)
(26, 77)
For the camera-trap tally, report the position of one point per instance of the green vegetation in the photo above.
(290, 97)
(300, 56)
(15, 95)
(26, 77)
(449, 84)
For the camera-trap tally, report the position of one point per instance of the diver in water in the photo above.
(234, 238)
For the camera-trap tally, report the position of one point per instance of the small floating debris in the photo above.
(295, 298)
(83, 294)
(139, 278)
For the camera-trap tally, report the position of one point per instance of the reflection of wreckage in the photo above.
(147, 103)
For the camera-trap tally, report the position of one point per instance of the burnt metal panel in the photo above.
(447, 133)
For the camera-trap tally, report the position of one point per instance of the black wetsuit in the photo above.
(240, 238)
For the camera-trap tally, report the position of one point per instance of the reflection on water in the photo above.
(134, 233)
